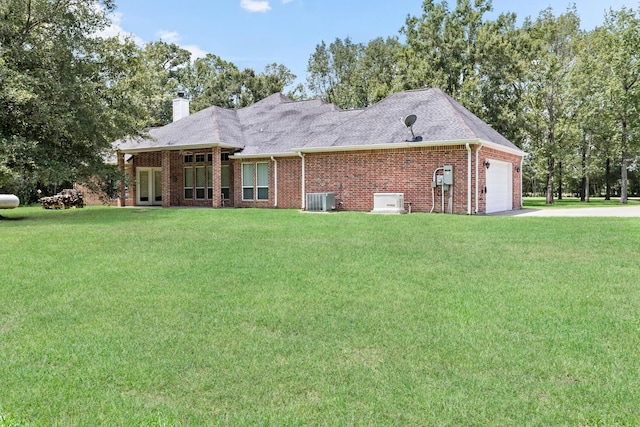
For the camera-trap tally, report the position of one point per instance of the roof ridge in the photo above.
(216, 124)
(452, 103)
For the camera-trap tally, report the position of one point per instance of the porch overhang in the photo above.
(189, 147)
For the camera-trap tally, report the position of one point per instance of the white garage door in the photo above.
(499, 187)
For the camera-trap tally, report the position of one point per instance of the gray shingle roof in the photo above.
(278, 125)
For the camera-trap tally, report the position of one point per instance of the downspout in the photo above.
(303, 179)
(275, 181)
(468, 179)
(521, 189)
(477, 159)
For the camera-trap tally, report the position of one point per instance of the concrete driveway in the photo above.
(618, 211)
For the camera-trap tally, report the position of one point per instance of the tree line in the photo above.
(566, 96)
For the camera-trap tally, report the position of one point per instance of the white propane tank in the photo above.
(8, 201)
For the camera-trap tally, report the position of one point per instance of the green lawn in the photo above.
(574, 202)
(273, 317)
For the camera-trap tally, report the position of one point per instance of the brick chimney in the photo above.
(180, 107)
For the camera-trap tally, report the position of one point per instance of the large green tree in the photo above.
(354, 75)
(616, 47)
(163, 73)
(62, 101)
(442, 49)
(475, 60)
(549, 108)
(213, 81)
(332, 73)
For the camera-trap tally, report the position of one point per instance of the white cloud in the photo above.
(168, 36)
(175, 37)
(196, 52)
(255, 6)
(115, 30)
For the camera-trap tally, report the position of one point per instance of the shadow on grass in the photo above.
(17, 218)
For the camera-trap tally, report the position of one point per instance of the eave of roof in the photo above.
(179, 147)
(263, 155)
(408, 144)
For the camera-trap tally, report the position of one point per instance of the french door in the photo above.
(149, 188)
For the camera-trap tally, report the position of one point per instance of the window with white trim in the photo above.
(262, 180)
(247, 181)
(255, 181)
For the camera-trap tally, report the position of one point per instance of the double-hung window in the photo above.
(247, 181)
(255, 181)
(262, 180)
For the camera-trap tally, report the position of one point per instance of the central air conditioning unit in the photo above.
(388, 203)
(321, 202)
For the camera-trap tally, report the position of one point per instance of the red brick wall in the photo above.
(173, 194)
(489, 154)
(353, 175)
(289, 183)
(356, 175)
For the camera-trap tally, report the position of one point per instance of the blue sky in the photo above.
(254, 33)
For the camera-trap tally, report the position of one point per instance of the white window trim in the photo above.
(151, 183)
(253, 184)
(258, 187)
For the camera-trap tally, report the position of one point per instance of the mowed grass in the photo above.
(575, 202)
(274, 317)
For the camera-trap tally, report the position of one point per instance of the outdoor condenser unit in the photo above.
(321, 202)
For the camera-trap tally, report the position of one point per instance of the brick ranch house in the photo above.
(276, 152)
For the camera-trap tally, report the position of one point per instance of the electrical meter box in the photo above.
(448, 175)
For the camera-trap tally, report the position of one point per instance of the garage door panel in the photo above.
(499, 187)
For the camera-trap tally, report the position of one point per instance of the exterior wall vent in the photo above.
(388, 203)
(321, 202)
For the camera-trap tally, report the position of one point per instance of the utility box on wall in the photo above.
(447, 178)
(388, 203)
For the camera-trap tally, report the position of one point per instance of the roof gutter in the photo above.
(477, 178)
(408, 144)
(264, 155)
(468, 179)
